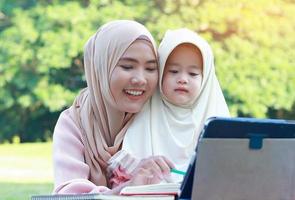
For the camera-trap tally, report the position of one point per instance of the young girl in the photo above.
(189, 93)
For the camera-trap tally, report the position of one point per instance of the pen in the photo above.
(177, 171)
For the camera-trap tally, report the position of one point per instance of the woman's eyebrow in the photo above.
(151, 61)
(136, 61)
(128, 59)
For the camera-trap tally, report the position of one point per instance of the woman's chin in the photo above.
(133, 109)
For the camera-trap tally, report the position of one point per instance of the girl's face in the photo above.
(182, 76)
(135, 77)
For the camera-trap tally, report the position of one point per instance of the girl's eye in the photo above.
(173, 71)
(126, 67)
(193, 74)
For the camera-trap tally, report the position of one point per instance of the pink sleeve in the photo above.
(70, 170)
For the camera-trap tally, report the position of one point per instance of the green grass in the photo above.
(20, 191)
(25, 170)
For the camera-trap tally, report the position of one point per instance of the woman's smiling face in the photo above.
(135, 77)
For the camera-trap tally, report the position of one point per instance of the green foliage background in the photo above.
(41, 50)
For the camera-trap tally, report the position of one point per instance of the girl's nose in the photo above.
(182, 80)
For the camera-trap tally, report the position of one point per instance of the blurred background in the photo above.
(41, 65)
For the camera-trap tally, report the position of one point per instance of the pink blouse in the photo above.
(70, 170)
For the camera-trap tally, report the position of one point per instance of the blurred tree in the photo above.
(41, 68)
(41, 48)
(253, 42)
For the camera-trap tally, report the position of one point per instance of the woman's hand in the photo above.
(151, 170)
(156, 169)
(141, 177)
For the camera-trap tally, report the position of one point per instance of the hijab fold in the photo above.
(94, 110)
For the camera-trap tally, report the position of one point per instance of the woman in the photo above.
(121, 73)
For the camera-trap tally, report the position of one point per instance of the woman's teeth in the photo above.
(134, 93)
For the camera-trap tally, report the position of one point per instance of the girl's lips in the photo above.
(181, 90)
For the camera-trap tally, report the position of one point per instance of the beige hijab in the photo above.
(162, 128)
(102, 125)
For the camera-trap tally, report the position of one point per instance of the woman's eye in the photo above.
(151, 69)
(126, 67)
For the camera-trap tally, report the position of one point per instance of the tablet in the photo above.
(243, 158)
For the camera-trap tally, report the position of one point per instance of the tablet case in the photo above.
(243, 158)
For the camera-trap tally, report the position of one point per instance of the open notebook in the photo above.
(154, 189)
(100, 197)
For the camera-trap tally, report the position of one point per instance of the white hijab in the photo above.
(162, 128)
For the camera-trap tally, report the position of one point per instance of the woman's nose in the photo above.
(138, 79)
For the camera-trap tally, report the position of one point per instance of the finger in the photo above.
(142, 177)
(155, 168)
(161, 162)
(151, 178)
(170, 163)
(148, 177)
(154, 180)
(151, 164)
(144, 172)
